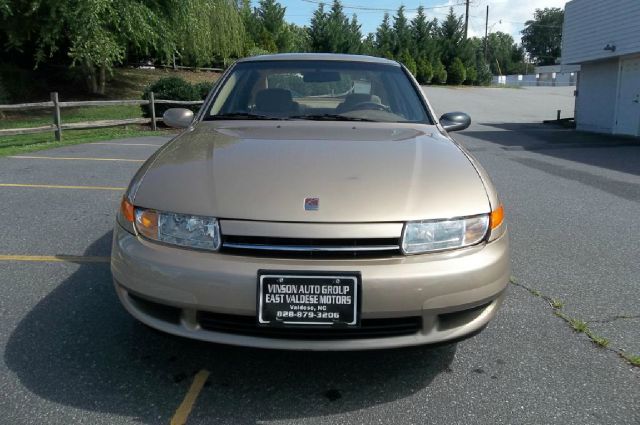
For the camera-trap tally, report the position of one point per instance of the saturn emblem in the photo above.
(311, 204)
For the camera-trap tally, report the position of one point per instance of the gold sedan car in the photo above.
(313, 203)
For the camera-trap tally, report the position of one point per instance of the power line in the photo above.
(382, 9)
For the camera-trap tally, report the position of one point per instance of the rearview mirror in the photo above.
(321, 77)
(455, 121)
(178, 117)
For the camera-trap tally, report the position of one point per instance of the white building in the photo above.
(603, 37)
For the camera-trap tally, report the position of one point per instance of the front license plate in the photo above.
(308, 299)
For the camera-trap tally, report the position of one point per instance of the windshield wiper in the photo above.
(243, 116)
(330, 117)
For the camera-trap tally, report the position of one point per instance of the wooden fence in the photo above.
(57, 126)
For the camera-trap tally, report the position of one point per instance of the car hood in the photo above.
(264, 170)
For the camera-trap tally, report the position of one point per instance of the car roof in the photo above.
(319, 57)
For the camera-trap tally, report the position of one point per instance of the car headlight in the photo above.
(186, 230)
(437, 235)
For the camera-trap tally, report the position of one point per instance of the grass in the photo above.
(578, 325)
(23, 143)
(37, 118)
(598, 340)
(556, 303)
(632, 358)
(20, 144)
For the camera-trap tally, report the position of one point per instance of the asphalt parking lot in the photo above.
(71, 354)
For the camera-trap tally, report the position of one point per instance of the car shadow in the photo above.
(617, 153)
(78, 347)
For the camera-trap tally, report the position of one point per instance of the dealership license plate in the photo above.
(308, 299)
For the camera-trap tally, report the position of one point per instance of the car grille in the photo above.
(310, 248)
(369, 328)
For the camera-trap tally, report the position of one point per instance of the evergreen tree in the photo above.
(337, 28)
(456, 73)
(271, 26)
(369, 45)
(407, 60)
(354, 36)
(384, 38)
(451, 37)
(439, 73)
(402, 38)
(424, 71)
(318, 35)
(422, 32)
(333, 32)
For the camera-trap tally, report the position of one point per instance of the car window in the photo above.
(332, 90)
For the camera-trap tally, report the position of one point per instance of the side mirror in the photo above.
(455, 121)
(178, 117)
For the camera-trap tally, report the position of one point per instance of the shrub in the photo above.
(472, 75)
(202, 89)
(484, 74)
(425, 71)
(4, 95)
(456, 74)
(408, 61)
(439, 73)
(173, 88)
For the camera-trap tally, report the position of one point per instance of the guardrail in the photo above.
(57, 126)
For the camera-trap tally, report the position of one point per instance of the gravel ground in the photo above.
(70, 354)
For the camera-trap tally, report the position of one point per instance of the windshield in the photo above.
(318, 90)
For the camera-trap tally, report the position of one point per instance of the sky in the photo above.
(504, 15)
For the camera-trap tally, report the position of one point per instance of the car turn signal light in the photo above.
(497, 217)
(147, 223)
(126, 208)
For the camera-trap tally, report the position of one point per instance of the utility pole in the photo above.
(486, 31)
(466, 20)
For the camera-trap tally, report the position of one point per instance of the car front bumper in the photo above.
(454, 294)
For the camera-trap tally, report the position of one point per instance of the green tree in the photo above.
(439, 73)
(271, 26)
(407, 60)
(472, 74)
(456, 73)
(503, 54)
(483, 72)
(542, 36)
(318, 34)
(95, 35)
(250, 24)
(337, 27)
(333, 32)
(402, 37)
(422, 32)
(451, 38)
(300, 41)
(354, 36)
(204, 31)
(369, 45)
(385, 38)
(424, 70)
